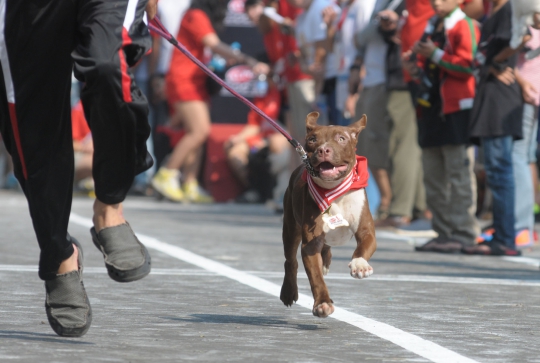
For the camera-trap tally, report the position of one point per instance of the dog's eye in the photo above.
(312, 139)
(341, 138)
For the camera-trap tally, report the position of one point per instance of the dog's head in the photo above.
(332, 149)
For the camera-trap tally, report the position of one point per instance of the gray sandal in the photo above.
(126, 258)
(66, 303)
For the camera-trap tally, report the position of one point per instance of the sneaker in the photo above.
(195, 194)
(524, 239)
(486, 235)
(166, 183)
(66, 303)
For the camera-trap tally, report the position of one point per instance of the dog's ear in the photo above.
(311, 121)
(358, 126)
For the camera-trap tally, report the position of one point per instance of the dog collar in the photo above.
(356, 179)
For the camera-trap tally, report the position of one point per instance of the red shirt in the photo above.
(292, 68)
(420, 11)
(185, 80)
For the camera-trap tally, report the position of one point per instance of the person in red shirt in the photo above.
(420, 11)
(188, 97)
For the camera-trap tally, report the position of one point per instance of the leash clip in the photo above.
(300, 150)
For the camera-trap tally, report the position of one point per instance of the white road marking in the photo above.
(301, 275)
(410, 342)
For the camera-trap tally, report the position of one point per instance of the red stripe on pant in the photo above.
(126, 79)
(17, 137)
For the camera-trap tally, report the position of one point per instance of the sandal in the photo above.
(493, 248)
(440, 245)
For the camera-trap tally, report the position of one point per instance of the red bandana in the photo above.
(357, 179)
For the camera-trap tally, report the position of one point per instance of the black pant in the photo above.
(44, 41)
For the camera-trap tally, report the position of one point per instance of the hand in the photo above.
(151, 9)
(536, 20)
(530, 93)
(350, 104)
(157, 85)
(424, 48)
(261, 68)
(329, 15)
(409, 66)
(507, 76)
(233, 140)
(315, 70)
(388, 20)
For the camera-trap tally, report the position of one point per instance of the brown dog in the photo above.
(321, 212)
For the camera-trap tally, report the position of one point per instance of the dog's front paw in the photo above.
(323, 310)
(360, 268)
(289, 292)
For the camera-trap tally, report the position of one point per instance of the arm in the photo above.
(213, 42)
(530, 93)
(247, 132)
(459, 64)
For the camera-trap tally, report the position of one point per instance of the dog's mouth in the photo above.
(328, 170)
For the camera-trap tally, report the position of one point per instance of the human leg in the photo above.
(112, 37)
(405, 155)
(195, 117)
(460, 211)
(373, 141)
(524, 192)
(500, 176)
(35, 126)
(237, 158)
(42, 151)
(437, 191)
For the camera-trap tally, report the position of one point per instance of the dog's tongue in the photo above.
(328, 170)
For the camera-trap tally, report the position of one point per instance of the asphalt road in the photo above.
(212, 297)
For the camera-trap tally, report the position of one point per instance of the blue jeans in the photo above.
(500, 177)
(523, 154)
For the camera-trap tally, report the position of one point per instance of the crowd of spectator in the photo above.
(450, 95)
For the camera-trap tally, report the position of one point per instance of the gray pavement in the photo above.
(210, 298)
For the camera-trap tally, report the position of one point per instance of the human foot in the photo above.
(107, 215)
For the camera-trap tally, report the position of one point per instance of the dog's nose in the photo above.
(325, 151)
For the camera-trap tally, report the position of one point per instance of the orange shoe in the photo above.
(523, 239)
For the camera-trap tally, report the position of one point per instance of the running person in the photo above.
(40, 44)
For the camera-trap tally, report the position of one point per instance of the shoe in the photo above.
(441, 245)
(126, 258)
(250, 196)
(417, 228)
(523, 239)
(393, 222)
(166, 183)
(195, 194)
(486, 235)
(493, 248)
(66, 303)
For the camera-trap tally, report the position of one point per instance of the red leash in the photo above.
(156, 26)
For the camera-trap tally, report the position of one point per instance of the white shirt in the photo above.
(310, 29)
(357, 16)
(375, 56)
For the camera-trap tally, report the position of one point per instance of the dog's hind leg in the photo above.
(292, 236)
(326, 255)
